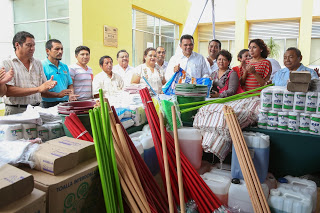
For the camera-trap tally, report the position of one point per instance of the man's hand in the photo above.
(5, 77)
(64, 93)
(176, 68)
(47, 85)
(73, 97)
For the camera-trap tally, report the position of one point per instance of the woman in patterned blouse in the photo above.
(148, 69)
(257, 70)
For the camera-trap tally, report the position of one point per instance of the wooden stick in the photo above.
(252, 170)
(179, 171)
(129, 159)
(132, 204)
(249, 183)
(166, 163)
(128, 178)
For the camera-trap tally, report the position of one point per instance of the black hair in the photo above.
(262, 45)
(21, 37)
(78, 49)
(101, 60)
(226, 54)
(145, 53)
(49, 43)
(216, 40)
(186, 36)
(122, 51)
(298, 52)
(242, 52)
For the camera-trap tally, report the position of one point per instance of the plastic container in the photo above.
(293, 122)
(150, 155)
(286, 201)
(263, 119)
(219, 185)
(271, 181)
(136, 139)
(315, 124)
(190, 141)
(303, 186)
(266, 99)
(311, 102)
(259, 148)
(299, 101)
(283, 121)
(224, 171)
(304, 124)
(238, 196)
(188, 117)
(277, 100)
(288, 98)
(272, 120)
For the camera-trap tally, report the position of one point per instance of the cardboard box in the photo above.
(300, 76)
(14, 184)
(297, 87)
(54, 159)
(75, 190)
(85, 149)
(33, 203)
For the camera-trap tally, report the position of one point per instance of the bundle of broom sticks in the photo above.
(256, 194)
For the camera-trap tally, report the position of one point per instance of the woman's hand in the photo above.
(251, 69)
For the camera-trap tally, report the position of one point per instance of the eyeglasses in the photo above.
(124, 56)
(163, 52)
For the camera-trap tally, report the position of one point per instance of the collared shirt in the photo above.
(154, 78)
(82, 81)
(110, 86)
(213, 67)
(282, 76)
(61, 75)
(126, 75)
(195, 65)
(24, 78)
(163, 67)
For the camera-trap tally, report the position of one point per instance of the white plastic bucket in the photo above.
(219, 185)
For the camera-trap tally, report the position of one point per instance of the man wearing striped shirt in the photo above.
(29, 82)
(81, 74)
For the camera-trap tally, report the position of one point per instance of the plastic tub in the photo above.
(190, 141)
(188, 117)
(238, 196)
(286, 201)
(219, 185)
(150, 155)
(259, 148)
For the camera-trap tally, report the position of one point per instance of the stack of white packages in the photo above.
(289, 111)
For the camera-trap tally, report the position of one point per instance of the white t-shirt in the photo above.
(195, 65)
(154, 78)
(110, 86)
(126, 75)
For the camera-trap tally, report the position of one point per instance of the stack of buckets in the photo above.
(187, 93)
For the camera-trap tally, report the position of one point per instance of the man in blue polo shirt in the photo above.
(52, 66)
(292, 60)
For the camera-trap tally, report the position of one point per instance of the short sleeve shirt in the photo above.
(24, 78)
(154, 78)
(61, 75)
(82, 81)
(109, 86)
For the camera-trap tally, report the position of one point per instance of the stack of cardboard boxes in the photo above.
(66, 171)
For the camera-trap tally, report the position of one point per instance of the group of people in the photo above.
(25, 80)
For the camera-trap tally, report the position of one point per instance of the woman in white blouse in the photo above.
(148, 69)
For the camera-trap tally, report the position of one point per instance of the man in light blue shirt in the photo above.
(292, 60)
(52, 66)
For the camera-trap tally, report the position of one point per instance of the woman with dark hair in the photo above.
(256, 71)
(148, 69)
(225, 81)
(242, 56)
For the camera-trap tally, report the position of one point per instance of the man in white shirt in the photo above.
(275, 67)
(191, 62)
(161, 64)
(106, 80)
(122, 68)
(214, 48)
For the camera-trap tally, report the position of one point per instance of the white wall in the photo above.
(225, 11)
(7, 30)
(316, 8)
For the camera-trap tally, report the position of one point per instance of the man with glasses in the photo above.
(161, 64)
(25, 79)
(193, 63)
(122, 68)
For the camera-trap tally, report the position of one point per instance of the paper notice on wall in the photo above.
(110, 36)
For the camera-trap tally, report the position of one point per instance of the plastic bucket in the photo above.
(188, 117)
(85, 120)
